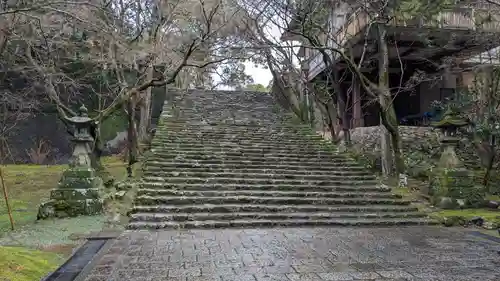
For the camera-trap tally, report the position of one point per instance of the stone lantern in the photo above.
(452, 180)
(79, 190)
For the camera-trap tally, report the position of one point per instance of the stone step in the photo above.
(270, 208)
(264, 193)
(237, 141)
(169, 135)
(280, 223)
(228, 145)
(233, 129)
(195, 123)
(179, 200)
(257, 181)
(262, 158)
(254, 153)
(294, 176)
(181, 217)
(175, 168)
(346, 187)
(167, 150)
(235, 149)
(259, 162)
(235, 166)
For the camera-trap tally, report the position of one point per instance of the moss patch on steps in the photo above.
(22, 264)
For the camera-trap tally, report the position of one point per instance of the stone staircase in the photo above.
(230, 159)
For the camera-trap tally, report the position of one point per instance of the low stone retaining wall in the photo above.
(420, 145)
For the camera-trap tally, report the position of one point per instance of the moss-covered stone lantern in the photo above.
(451, 180)
(79, 190)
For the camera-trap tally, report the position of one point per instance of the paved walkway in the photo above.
(305, 254)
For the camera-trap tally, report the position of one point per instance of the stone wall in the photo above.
(420, 145)
(367, 138)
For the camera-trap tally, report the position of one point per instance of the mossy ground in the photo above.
(21, 264)
(34, 248)
(487, 214)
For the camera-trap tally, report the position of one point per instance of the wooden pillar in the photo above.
(357, 113)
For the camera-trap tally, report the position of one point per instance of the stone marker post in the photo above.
(79, 190)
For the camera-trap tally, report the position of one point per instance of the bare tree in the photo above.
(74, 50)
(313, 25)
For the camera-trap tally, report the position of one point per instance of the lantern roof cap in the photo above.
(83, 116)
(451, 119)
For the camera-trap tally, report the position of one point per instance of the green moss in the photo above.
(402, 191)
(487, 215)
(450, 119)
(21, 264)
(30, 185)
(493, 197)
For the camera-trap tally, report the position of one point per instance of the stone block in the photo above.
(78, 193)
(62, 208)
(79, 183)
(79, 173)
(74, 194)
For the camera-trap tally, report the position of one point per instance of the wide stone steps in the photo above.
(295, 176)
(257, 151)
(273, 187)
(237, 166)
(209, 129)
(291, 166)
(262, 193)
(257, 159)
(180, 217)
(194, 123)
(270, 208)
(175, 169)
(261, 138)
(238, 154)
(232, 142)
(279, 223)
(257, 181)
(223, 146)
(264, 162)
(288, 200)
(228, 160)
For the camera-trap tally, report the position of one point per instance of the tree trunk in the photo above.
(386, 106)
(96, 155)
(331, 119)
(131, 137)
(342, 107)
(491, 161)
(145, 111)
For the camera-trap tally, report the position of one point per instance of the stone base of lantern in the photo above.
(79, 192)
(451, 183)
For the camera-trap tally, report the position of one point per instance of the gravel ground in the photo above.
(46, 233)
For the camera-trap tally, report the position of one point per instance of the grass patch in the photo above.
(493, 197)
(402, 191)
(20, 264)
(35, 248)
(29, 185)
(487, 215)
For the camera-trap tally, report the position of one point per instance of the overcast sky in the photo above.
(259, 75)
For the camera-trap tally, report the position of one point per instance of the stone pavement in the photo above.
(305, 254)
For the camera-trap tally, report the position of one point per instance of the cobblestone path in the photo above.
(306, 254)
